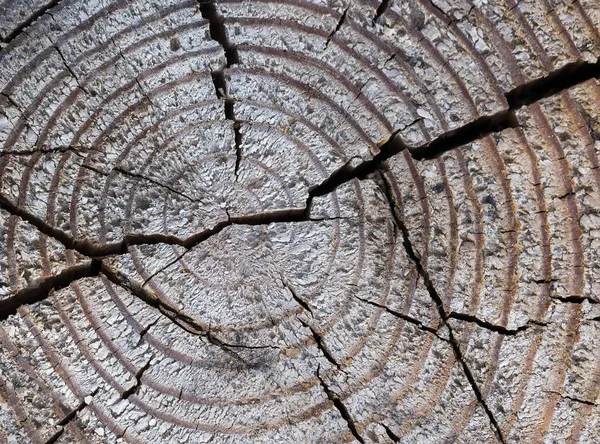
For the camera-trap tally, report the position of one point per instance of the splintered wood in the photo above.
(287, 221)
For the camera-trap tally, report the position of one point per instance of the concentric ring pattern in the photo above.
(176, 279)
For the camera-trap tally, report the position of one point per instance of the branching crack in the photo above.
(70, 417)
(444, 316)
(338, 27)
(175, 315)
(339, 405)
(554, 82)
(98, 250)
(566, 77)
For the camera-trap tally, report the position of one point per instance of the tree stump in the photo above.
(299, 221)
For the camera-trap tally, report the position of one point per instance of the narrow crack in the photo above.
(338, 27)
(383, 6)
(339, 405)
(321, 345)
(136, 79)
(297, 298)
(41, 289)
(572, 398)
(30, 20)
(131, 174)
(176, 316)
(155, 182)
(134, 389)
(70, 417)
(402, 316)
(44, 150)
(145, 330)
(12, 101)
(68, 68)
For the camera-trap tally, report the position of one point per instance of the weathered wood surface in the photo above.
(204, 237)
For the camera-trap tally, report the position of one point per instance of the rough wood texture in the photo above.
(299, 221)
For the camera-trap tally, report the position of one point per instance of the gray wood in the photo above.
(299, 221)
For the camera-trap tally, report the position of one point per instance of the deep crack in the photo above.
(494, 327)
(338, 26)
(390, 434)
(70, 417)
(30, 20)
(321, 344)
(218, 31)
(424, 274)
(383, 6)
(41, 289)
(297, 298)
(138, 381)
(340, 406)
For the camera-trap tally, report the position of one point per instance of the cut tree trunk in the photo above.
(299, 221)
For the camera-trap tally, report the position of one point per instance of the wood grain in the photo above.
(299, 221)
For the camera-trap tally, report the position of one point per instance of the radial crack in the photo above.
(98, 250)
(141, 177)
(338, 27)
(436, 298)
(390, 434)
(176, 316)
(42, 288)
(383, 6)
(70, 417)
(574, 299)
(30, 20)
(321, 344)
(568, 76)
(68, 68)
(218, 32)
(59, 149)
(297, 298)
(339, 405)
(138, 381)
